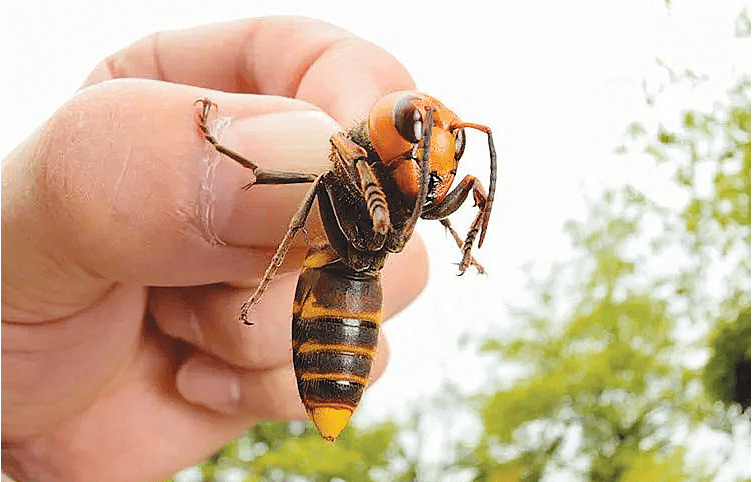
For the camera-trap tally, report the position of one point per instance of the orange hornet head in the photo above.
(396, 127)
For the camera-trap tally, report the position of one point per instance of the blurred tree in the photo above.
(277, 451)
(613, 353)
(727, 374)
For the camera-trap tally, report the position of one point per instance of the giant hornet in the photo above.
(387, 172)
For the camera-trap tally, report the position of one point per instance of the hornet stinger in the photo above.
(387, 172)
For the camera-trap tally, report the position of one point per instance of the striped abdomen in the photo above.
(336, 319)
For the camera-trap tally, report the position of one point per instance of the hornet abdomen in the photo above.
(336, 317)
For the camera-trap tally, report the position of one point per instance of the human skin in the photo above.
(128, 247)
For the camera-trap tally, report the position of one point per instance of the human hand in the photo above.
(128, 247)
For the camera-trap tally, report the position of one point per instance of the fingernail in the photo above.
(296, 141)
(210, 384)
(285, 141)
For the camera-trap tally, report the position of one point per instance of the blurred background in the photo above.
(610, 339)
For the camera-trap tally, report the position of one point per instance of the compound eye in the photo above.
(459, 143)
(408, 120)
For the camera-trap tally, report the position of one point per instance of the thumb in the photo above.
(119, 186)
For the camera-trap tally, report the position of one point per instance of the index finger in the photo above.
(293, 57)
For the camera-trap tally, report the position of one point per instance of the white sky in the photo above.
(557, 81)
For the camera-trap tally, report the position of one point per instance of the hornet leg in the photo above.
(446, 223)
(296, 224)
(451, 204)
(263, 176)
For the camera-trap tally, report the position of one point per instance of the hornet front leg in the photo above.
(451, 203)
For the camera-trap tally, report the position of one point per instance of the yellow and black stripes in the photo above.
(334, 362)
(336, 319)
